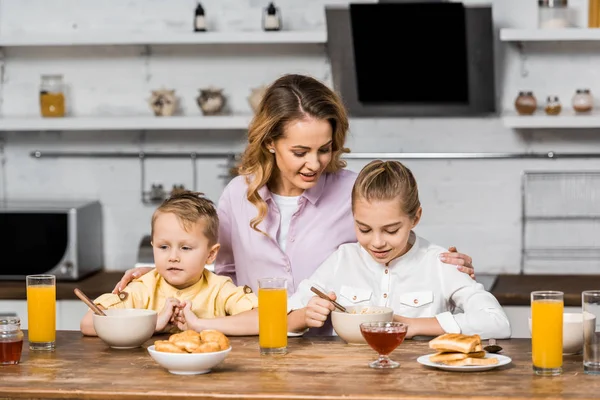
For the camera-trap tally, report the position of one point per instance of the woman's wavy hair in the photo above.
(290, 98)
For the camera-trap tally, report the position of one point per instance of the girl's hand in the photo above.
(463, 262)
(166, 314)
(130, 275)
(317, 310)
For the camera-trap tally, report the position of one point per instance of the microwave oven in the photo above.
(61, 238)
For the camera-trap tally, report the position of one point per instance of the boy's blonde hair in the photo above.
(189, 207)
(387, 180)
(290, 98)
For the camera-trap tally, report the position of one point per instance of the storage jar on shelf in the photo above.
(583, 101)
(553, 14)
(52, 96)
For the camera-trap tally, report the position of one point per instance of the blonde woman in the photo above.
(290, 207)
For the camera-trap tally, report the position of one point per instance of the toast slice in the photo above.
(442, 357)
(455, 343)
(469, 361)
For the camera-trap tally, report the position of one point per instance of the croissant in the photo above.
(215, 336)
(190, 341)
(168, 347)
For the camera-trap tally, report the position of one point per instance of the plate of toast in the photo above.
(464, 353)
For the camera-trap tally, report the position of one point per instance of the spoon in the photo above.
(89, 303)
(325, 297)
(492, 347)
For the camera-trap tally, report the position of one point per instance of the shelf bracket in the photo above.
(2, 77)
(522, 60)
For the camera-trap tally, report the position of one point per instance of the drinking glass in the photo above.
(590, 304)
(547, 332)
(272, 315)
(41, 312)
(383, 337)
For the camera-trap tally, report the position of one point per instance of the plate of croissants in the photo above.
(190, 352)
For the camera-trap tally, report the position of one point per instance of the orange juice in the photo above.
(546, 333)
(41, 310)
(272, 318)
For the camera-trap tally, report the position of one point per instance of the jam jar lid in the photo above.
(9, 324)
(583, 91)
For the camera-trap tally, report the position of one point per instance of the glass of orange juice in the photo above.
(546, 332)
(41, 312)
(272, 315)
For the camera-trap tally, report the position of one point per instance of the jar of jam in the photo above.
(583, 101)
(11, 340)
(52, 97)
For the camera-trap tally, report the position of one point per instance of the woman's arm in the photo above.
(225, 262)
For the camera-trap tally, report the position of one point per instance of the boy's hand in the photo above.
(166, 314)
(317, 311)
(187, 319)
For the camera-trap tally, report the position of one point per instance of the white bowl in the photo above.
(125, 328)
(572, 332)
(347, 325)
(188, 363)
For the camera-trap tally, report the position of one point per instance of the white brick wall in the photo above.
(473, 204)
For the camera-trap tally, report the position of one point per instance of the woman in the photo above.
(289, 208)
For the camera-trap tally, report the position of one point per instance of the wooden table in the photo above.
(314, 368)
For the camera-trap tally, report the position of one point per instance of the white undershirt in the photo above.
(287, 207)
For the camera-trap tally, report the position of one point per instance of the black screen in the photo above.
(410, 53)
(34, 242)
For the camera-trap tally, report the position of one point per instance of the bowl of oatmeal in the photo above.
(347, 325)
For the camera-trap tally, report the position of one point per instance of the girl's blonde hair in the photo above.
(189, 207)
(290, 98)
(387, 180)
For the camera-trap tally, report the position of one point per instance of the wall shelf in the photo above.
(567, 119)
(166, 38)
(549, 35)
(237, 122)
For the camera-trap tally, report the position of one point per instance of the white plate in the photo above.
(502, 360)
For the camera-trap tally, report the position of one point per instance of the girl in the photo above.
(392, 266)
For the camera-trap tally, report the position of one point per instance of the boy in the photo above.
(185, 230)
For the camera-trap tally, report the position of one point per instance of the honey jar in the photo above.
(52, 97)
(11, 340)
(553, 106)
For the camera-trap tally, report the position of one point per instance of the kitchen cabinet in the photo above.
(68, 312)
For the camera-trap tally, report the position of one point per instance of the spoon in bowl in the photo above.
(89, 302)
(325, 297)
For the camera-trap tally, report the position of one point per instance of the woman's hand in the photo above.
(165, 316)
(130, 275)
(317, 311)
(463, 262)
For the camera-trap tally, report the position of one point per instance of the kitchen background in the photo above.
(474, 204)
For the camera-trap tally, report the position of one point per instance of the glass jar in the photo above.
(525, 103)
(553, 14)
(52, 97)
(11, 340)
(583, 101)
(553, 106)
